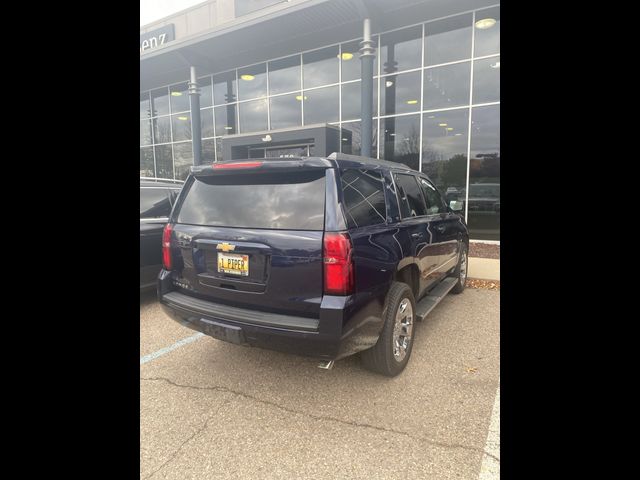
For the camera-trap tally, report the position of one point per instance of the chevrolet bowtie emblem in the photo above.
(226, 247)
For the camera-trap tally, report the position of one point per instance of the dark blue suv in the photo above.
(323, 257)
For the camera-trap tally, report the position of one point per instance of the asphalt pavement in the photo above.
(214, 410)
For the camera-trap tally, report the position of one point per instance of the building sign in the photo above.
(157, 37)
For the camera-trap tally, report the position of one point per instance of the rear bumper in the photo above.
(290, 334)
(346, 324)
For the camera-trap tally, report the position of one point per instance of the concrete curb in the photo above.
(484, 268)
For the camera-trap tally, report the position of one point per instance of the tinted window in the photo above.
(208, 151)
(400, 140)
(275, 201)
(363, 195)
(447, 86)
(162, 129)
(205, 92)
(433, 198)
(145, 132)
(181, 125)
(159, 102)
(321, 105)
(444, 151)
(206, 122)
(179, 97)
(183, 159)
(286, 111)
(401, 50)
(351, 141)
(146, 162)
(253, 116)
(448, 40)
(486, 80)
(320, 67)
(487, 32)
(224, 88)
(252, 81)
(351, 101)
(284, 75)
(145, 108)
(225, 118)
(409, 196)
(164, 161)
(154, 203)
(400, 93)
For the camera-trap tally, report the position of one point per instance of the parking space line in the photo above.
(490, 469)
(162, 351)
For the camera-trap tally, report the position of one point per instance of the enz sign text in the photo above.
(157, 37)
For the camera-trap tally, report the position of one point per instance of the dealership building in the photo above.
(278, 78)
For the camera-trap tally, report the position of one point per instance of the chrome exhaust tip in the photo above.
(326, 364)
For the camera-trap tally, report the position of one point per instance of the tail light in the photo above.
(166, 246)
(235, 165)
(338, 265)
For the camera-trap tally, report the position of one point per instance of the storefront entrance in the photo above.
(283, 151)
(310, 140)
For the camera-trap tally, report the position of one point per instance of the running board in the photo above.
(428, 303)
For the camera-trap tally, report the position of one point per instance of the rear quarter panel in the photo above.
(376, 255)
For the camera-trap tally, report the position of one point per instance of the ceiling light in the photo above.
(183, 118)
(458, 134)
(247, 77)
(388, 83)
(346, 56)
(495, 65)
(176, 94)
(449, 128)
(345, 139)
(485, 23)
(228, 128)
(392, 134)
(442, 124)
(300, 97)
(412, 102)
(431, 116)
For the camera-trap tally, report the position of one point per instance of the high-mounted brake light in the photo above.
(338, 264)
(166, 246)
(237, 165)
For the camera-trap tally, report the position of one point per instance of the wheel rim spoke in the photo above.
(402, 330)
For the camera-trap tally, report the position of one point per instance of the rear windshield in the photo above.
(281, 201)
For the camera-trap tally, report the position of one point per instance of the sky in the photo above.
(152, 10)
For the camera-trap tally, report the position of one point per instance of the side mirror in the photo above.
(455, 206)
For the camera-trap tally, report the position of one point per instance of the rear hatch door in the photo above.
(252, 237)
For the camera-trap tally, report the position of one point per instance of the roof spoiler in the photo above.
(253, 165)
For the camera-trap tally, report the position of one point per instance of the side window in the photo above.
(154, 203)
(435, 204)
(363, 193)
(411, 201)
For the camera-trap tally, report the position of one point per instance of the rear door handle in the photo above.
(416, 235)
(441, 228)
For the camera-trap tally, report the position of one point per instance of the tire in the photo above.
(381, 358)
(461, 270)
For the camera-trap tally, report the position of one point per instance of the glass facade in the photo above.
(436, 107)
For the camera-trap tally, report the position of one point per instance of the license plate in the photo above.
(234, 264)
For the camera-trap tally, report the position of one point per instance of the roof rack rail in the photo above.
(155, 179)
(337, 156)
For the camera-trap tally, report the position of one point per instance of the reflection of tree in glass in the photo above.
(162, 130)
(449, 174)
(408, 148)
